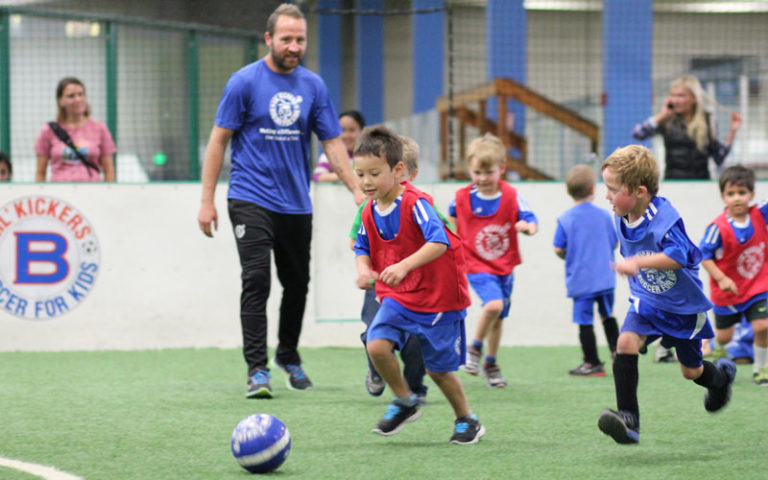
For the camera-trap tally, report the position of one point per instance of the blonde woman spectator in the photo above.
(688, 130)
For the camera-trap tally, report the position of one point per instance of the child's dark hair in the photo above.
(354, 115)
(4, 158)
(380, 141)
(737, 175)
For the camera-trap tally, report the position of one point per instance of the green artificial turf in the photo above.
(155, 415)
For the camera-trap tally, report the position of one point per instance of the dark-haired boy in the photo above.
(734, 255)
(417, 266)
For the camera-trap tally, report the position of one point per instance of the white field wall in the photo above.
(162, 284)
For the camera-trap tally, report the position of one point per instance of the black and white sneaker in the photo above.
(717, 398)
(467, 430)
(297, 379)
(621, 426)
(395, 419)
(374, 384)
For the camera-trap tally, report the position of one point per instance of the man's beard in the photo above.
(280, 61)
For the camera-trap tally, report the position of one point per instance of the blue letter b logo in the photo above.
(53, 253)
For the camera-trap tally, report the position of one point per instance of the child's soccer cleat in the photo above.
(588, 370)
(395, 419)
(621, 426)
(719, 352)
(761, 377)
(258, 385)
(663, 355)
(467, 430)
(493, 377)
(297, 379)
(472, 365)
(717, 398)
(374, 384)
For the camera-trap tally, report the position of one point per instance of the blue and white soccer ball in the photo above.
(260, 443)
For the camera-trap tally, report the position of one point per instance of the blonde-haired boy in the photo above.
(662, 265)
(585, 239)
(488, 214)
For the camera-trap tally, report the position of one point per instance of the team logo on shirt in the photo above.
(656, 281)
(492, 241)
(751, 260)
(285, 108)
(49, 257)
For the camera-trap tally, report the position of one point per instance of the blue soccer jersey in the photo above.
(587, 235)
(273, 116)
(660, 230)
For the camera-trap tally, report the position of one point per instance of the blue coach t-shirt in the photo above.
(273, 116)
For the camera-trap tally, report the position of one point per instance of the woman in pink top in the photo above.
(91, 138)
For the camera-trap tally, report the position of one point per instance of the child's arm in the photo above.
(632, 265)
(560, 252)
(527, 223)
(365, 276)
(452, 221)
(452, 215)
(394, 274)
(528, 228)
(725, 282)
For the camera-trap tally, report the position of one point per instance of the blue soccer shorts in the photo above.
(493, 287)
(583, 307)
(682, 331)
(443, 344)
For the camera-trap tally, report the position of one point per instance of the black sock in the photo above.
(712, 377)
(611, 329)
(588, 344)
(625, 377)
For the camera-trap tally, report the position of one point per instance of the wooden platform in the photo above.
(469, 108)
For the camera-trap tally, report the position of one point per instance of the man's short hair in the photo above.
(410, 153)
(380, 141)
(488, 151)
(737, 175)
(636, 167)
(283, 9)
(580, 180)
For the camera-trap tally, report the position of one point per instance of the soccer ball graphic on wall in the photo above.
(260, 443)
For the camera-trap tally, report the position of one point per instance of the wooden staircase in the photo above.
(503, 89)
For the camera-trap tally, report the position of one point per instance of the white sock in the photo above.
(761, 357)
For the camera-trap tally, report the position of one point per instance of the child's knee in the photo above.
(438, 377)
(691, 373)
(629, 343)
(379, 348)
(494, 307)
(760, 326)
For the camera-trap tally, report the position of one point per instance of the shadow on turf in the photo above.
(642, 458)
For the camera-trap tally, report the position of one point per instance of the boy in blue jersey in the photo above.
(417, 266)
(585, 239)
(734, 255)
(667, 299)
(488, 214)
